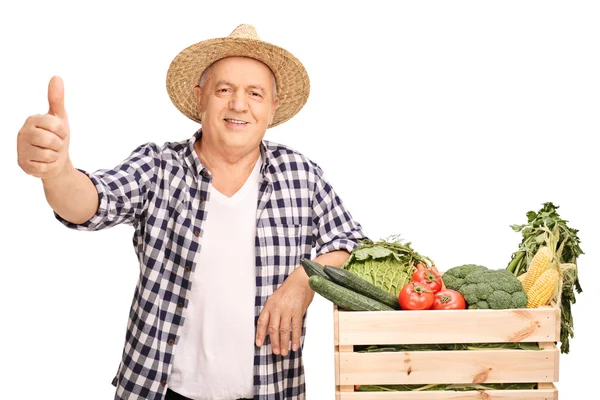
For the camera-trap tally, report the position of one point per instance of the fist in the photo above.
(43, 141)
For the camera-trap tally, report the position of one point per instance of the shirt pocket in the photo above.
(280, 255)
(283, 243)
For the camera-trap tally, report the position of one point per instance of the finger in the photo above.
(41, 155)
(285, 325)
(56, 97)
(51, 123)
(36, 169)
(273, 331)
(44, 139)
(261, 327)
(296, 332)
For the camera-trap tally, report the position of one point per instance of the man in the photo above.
(221, 222)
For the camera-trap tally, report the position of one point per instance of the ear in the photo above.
(198, 96)
(274, 106)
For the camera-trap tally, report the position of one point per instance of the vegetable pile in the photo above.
(387, 264)
(546, 232)
(389, 275)
(485, 288)
(383, 276)
(347, 290)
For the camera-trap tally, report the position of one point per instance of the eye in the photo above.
(255, 94)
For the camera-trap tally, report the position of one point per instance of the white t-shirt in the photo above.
(214, 358)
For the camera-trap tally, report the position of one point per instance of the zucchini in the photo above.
(313, 268)
(344, 297)
(359, 285)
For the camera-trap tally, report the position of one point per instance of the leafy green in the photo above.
(533, 237)
(461, 388)
(447, 347)
(387, 264)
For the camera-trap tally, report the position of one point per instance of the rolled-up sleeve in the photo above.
(334, 227)
(122, 191)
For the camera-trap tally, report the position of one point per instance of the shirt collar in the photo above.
(193, 161)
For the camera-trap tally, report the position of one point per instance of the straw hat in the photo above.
(293, 85)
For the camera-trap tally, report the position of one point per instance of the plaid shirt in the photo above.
(161, 192)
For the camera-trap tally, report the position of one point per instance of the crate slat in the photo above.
(447, 326)
(550, 393)
(540, 325)
(433, 367)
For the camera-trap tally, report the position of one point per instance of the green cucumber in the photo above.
(359, 285)
(313, 268)
(344, 297)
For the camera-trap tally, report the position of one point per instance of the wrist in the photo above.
(299, 275)
(64, 175)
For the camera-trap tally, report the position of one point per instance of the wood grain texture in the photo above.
(548, 393)
(448, 326)
(433, 367)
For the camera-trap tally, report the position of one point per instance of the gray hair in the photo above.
(202, 80)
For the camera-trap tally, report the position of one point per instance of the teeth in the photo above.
(235, 121)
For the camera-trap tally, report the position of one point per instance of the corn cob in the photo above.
(522, 277)
(539, 264)
(543, 289)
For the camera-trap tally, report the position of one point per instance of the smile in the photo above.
(235, 121)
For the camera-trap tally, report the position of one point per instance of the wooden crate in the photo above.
(352, 328)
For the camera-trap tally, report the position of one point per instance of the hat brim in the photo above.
(293, 85)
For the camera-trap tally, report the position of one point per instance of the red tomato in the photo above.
(421, 265)
(415, 296)
(448, 299)
(429, 277)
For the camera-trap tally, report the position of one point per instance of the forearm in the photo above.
(333, 258)
(72, 195)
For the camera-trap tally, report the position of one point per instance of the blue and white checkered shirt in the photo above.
(161, 192)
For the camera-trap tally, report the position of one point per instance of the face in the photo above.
(236, 103)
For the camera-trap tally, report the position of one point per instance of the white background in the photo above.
(444, 122)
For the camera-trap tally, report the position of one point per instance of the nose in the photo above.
(239, 102)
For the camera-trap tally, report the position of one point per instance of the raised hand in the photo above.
(43, 141)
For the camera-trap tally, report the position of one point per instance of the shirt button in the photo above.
(180, 304)
(205, 174)
(196, 233)
(188, 268)
(171, 341)
(201, 199)
(164, 382)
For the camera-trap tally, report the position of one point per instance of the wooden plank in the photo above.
(553, 357)
(336, 344)
(336, 357)
(448, 326)
(433, 367)
(548, 386)
(558, 323)
(336, 326)
(341, 351)
(549, 393)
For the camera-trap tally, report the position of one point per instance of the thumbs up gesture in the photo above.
(43, 141)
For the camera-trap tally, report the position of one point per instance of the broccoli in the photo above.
(454, 278)
(475, 292)
(492, 288)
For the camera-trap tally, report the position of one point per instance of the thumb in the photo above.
(56, 97)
